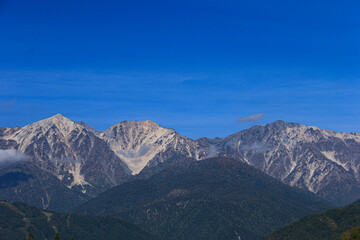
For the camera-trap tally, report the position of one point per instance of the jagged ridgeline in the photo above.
(331, 225)
(18, 219)
(217, 198)
(57, 163)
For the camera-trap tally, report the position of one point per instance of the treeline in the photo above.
(31, 237)
(351, 234)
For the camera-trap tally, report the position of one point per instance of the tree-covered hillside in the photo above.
(18, 219)
(217, 198)
(329, 225)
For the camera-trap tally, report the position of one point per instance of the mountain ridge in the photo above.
(86, 160)
(139, 142)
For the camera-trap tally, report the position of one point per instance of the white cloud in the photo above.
(12, 156)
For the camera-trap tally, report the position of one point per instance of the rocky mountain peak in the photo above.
(6, 132)
(131, 134)
(304, 156)
(298, 155)
(137, 142)
(58, 120)
(70, 152)
(281, 123)
(54, 128)
(139, 126)
(58, 116)
(90, 128)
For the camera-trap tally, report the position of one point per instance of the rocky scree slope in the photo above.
(319, 160)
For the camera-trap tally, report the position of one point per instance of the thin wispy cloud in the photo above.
(12, 156)
(256, 147)
(252, 118)
(6, 105)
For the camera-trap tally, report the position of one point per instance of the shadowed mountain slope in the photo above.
(321, 226)
(17, 219)
(216, 198)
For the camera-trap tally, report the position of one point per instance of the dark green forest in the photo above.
(216, 198)
(331, 225)
(18, 220)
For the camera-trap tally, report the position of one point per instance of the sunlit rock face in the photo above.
(70, 152)
(88, 161)
(320, 160)
(142, 143)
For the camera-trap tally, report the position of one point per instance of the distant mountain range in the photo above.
(217, 198)
(59, 157)
(329, 225)
(17, 219)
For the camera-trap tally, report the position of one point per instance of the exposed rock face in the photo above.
(145, 143)
(319, 160)
(322, 161)
(88, 161)
(6, 143)
(71, 153)
(26, 182)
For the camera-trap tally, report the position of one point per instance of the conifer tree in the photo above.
(57, 237)
(353, 234)
(30, 237)
(345, 235)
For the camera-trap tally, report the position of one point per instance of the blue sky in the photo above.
(195, 66)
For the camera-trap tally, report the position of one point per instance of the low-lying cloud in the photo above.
(256, 147)
(12, 156)
(212, 151)
(252, 118)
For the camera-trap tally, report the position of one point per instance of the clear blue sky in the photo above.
(195, 66)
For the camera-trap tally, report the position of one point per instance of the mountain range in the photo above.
(60, 157)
